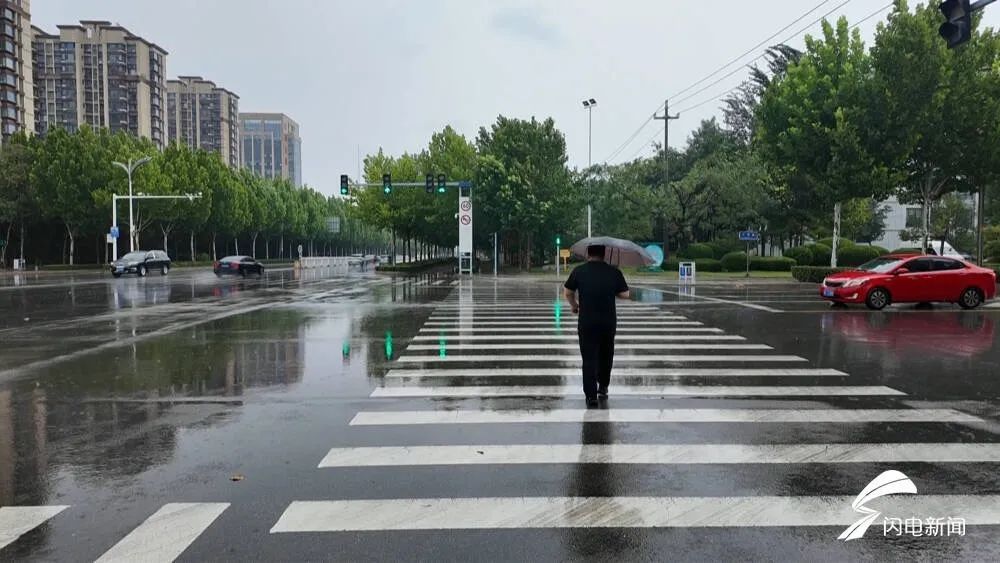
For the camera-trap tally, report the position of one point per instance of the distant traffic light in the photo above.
(958, 27)
(558, 240)
(387, 184)
(442, 180)
(344, 185)
(429, 183)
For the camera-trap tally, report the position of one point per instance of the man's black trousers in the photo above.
(597, 346)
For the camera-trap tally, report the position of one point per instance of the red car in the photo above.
(902, 278)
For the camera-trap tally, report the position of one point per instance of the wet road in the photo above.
(312, 418)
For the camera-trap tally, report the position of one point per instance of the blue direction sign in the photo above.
(749, 235)
(114, 232)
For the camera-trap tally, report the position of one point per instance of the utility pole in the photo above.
(666, 165)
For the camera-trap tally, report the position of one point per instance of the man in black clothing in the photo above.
(598, 284)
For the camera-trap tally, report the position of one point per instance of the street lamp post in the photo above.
(589, 105)
(129, 168)
(140, 195)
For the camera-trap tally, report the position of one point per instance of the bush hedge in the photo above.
(771, 263)
(857, 255)
(813, 274)
(707, 265)
(721, 248)
(734, 261)
(843, 242)
(821, 254)
(801, 254)
(697, 250)
(991, 250)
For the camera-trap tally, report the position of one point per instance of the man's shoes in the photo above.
(602, 393)
(592, 402)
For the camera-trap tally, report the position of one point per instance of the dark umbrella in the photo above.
(618, 251)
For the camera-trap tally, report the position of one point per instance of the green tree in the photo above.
(810, 121)
(18, 204)
(933, 110)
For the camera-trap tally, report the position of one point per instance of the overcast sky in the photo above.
(389, 73)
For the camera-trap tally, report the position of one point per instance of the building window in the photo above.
(914, 219)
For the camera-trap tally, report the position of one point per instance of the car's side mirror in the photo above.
(901, 271)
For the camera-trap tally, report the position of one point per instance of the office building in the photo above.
(17, 105)
(202, 115)
(102, 75)
(271, 145)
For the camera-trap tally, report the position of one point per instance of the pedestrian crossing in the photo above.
(498, 395)
(503, 359)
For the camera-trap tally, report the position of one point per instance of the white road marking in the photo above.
(531, 317)
(618, 372)
(573, 359)
(665, 454)
(165, 534)
(618, 346)
(616, 512)
(575, 338)
(798, 416)
(439, 282)
(550, 322)
(15, 521)
(473, 391)
(424, 282)
(714, 300)
(568, 327)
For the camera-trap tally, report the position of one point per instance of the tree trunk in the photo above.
(3, 251)
(72, 244)
(253, 244)
(281, 246)
(926, 211)
(836, 234)
(193, 256)
(236, 244)
(166, 233)
(267, 248)
(215, 252)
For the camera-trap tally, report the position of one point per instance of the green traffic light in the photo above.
(441, 189)
(387, 190)
(558, 241)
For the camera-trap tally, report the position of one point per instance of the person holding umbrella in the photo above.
(591, 291)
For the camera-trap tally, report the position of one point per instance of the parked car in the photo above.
(141, 262)
(239, 265)
(908, 278)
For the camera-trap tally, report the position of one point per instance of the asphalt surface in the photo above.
(306, 417)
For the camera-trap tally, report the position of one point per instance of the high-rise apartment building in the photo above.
(202, 115)
(271, 145)
(102, 75)
(17, 106)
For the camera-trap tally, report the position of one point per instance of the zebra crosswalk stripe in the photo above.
(165, 534)
(661, 454)
(619, 346)
(615, 512)
(15, 521)
(567, 359)
(568, 329)
(800, 416)
(574, 338)
(618, 372)
(640, 391)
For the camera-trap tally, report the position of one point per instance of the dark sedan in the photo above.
(141, 262)
(238, 265)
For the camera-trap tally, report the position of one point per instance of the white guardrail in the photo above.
(336, 263)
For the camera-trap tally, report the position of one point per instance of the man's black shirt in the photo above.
(597, 283)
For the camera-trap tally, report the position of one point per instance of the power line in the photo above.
(645, 146)
(739, 69)
(636, 133)
(751, 49)
(731, 90)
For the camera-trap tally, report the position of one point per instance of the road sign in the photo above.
(466, 219)
(110, 239)
(564, 253)
(114, 232)
(749, 235)
(686, 271)
(465, 233)
(300, 251)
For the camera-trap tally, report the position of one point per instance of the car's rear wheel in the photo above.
(971, 298)
(164, 269)
(877, 299)
(116, 274)
(260, 271)
(141, 270)
(243, 271)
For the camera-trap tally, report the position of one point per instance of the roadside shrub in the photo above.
(722, 247)
(771, 263)
(707, 265)
(843, 242)
(857, 255)
(992, 250)
(881, 249)
(697, 250)
(801, 254)
(821, 254)
(203, 257)
(734, 262)
(813, 274)
(670, 265)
